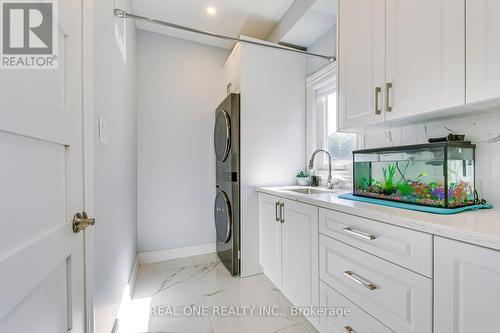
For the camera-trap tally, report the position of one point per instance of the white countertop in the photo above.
(480, 227)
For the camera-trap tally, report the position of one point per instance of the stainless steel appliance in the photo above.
(227, 201)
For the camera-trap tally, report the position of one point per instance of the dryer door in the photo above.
(223, 218)
(222, 135)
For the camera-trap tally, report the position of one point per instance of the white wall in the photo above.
(179, 85)
(327, 45)
(114, 163)
(479, 130)
(273, 134)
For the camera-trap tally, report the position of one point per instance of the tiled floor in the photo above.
(202, 282)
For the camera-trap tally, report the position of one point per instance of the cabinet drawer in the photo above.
(358, 320)
(408, 248)
(399, 298)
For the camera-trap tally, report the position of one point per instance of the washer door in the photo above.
(222, 214)
(222, 135)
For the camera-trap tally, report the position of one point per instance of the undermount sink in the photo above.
(309, 190)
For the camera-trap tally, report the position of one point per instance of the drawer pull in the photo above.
(359, 280)
(277, 211)
(358, 233)
(349, 329)
(282, 212)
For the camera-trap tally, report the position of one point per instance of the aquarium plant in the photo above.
(388, 184)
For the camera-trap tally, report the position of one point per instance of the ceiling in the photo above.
(254, 18)
(315, 22)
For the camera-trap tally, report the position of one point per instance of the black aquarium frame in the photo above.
(444, 145)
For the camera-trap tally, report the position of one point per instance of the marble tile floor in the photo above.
(167, 295)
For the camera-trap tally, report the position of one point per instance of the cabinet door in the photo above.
(466, 293)
(232, 71)
(270, 237)
(483, 50)
(361, 62)
(300, 253)
(425, 56)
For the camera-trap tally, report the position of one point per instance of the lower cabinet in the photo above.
(299, 234)
(382, 274)
(466, 292)
(288, 248)
(270, 237)
(397, 297)
(349, 317)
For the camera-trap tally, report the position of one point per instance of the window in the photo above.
(322, 126)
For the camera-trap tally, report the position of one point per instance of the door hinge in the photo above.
(239, 255)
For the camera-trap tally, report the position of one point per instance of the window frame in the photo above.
(317, 126)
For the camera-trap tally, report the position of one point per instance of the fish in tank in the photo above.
(440, 174)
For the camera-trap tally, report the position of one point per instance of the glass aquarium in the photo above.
(436, 174)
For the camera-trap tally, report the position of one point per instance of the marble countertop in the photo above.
(480, 227)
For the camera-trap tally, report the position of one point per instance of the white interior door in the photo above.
(41, 177)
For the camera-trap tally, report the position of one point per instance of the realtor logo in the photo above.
(29, 38)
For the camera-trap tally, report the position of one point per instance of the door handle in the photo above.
(378, 90)
(388, 87)
(282, 212)
(277, 211)
(81, 221)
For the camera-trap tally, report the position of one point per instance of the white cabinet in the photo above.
(300, 253)
(270, 237)
(272, 117)
(408, 248)
(399, 59)
(355, 321)
(288, 248)
(361, 62)
(466, 293)
(397, 297)
(232, 71)
(483, 50)
(425, 56)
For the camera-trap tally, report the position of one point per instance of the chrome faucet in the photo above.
(331, 183)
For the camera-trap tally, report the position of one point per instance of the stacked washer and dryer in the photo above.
(227, 201)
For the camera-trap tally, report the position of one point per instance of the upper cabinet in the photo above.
(483, 50)
(414, 60)
(232, 71)
(361, 62)
(425, 60)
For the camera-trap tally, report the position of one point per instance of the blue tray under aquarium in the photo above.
(425, 209)
(440, 174)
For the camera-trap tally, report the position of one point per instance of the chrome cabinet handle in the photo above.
(277, 209)
(358, 233)
(282, 212)
(349, 329)
(378, 90)
(388, 107)
(360, 280)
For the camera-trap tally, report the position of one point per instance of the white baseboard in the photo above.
(179, 252)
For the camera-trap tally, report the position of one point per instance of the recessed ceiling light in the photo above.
(211, 11)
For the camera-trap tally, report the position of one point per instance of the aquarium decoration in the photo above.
(440, 174)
